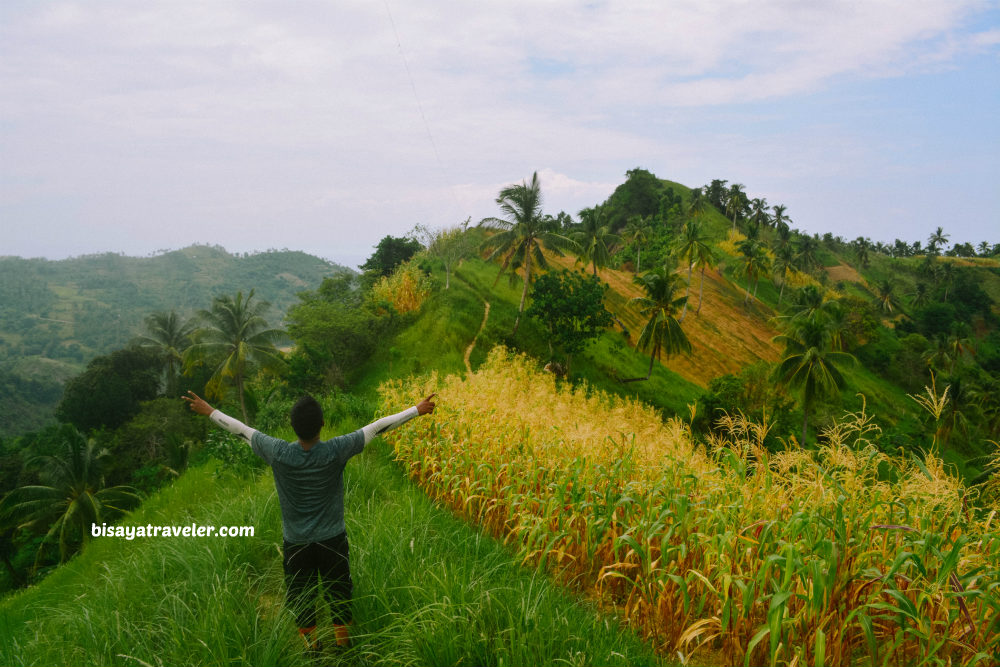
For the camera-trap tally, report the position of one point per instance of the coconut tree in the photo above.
(783, 263)
(755, 262)
(807, 257)
(736, 202)
(810, 366)
(170, 336)
(662, 332)
(886, 294)
(521, 234)
(71, 497)
(779, 219)
(637, 232)
(758, 212)
(938, 240)
(235, 337)
(693, 248)
(594, 237)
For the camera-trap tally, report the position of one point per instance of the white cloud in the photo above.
(154, 118)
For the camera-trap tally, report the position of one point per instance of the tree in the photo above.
(571, 307)
(594, 237)
(807, 257)
(783, 261)
(235, 337)
(755, 262)
(636, 231)
(886, 294)
(521, 234)
(736, 202)
(450, 245)
(390, 252)
(662, 332)
(809, 365)
(73, 496)
(693, 248)
(169, 335)
(108, 393)
(938, 240)
(333, 333)
(780, 219)
(758, 212)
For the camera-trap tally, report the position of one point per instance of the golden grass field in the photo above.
(836, 556)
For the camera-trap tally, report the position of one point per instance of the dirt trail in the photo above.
(472, 345)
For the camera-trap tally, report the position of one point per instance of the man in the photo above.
(309, 476)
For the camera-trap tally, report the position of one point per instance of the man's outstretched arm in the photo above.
(380, 426)
(234, 426)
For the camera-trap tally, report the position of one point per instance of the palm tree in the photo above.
(662, 332)
(521, 235)
(755, 262)
(737, 201)
(938, 239)
(636, 232)
(693, 247)
(810, 365)
(920, 296)
(783, 259)
(73, 496)
(170, 336)
(780, 219)
(235, 336)
(594, 237)
(758, 212)
(886, 295)
(807, 257)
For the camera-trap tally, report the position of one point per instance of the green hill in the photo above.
(56, 315)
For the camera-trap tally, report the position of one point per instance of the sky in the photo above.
(138, 127)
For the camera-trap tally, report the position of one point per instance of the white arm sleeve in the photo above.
(384, 424)
(234, 426)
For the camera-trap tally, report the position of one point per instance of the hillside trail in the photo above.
(472, 345)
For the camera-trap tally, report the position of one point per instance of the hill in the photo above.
(56, 315)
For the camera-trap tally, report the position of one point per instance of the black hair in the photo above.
(307, 418)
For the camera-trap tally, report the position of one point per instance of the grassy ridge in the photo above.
(429, 589)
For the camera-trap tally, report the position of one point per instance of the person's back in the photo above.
(309, 478)
(310, 483)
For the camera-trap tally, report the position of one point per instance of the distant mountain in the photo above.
(56, 315)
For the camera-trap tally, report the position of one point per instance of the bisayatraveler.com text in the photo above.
(149, 530)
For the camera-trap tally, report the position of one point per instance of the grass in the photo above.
(429, 589)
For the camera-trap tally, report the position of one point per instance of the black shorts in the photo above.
(314, 569)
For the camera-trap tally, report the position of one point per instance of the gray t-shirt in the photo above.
(310, 483)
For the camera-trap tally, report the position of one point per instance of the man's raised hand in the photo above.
(198, 404)
(426, 406)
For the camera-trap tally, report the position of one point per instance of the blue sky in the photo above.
(135, 127)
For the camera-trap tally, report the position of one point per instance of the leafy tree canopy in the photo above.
(109, 392)
(571, 306)
(390, 252)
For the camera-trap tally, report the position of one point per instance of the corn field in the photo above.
(836, 556)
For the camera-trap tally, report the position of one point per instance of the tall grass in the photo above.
(830, 557)
(428, 589)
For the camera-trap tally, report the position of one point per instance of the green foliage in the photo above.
(521, 234)
(334, 335)
(111, 390)
(390, 252)
(571, 307)
(751, 393)
(157, 439)
(234, 340)
(71, 497)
